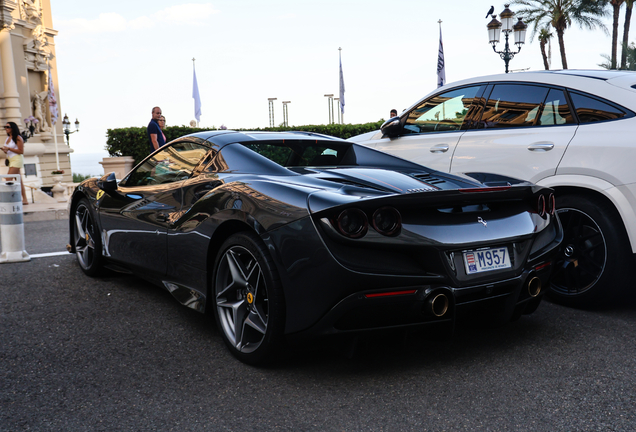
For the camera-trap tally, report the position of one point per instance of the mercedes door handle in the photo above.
(541, 147)
(439, 148)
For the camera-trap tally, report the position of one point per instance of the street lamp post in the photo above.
(330, 106)
(67, 128)
(506, 25)
(285, 114)
(271, 111)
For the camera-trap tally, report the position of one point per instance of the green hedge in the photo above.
(133, 141)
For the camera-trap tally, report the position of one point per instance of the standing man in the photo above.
(154, 131)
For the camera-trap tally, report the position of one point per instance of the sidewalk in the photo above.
(45, 211)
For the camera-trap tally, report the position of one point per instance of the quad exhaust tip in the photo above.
(534, 287)
(438, 305)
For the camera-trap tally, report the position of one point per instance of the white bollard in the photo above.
(11, 224)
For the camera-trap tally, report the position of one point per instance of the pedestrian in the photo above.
(155, 136)
(14, 148)
(162, 126)
(393, 113)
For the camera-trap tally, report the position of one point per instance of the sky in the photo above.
(118, 59)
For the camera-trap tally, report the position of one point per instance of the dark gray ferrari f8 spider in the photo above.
(295, 235)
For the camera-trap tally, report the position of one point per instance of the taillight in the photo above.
(551, 204)
(541, 206)
(352, 223)
(387, 221)
(546, 205)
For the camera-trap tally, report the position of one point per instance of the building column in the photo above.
(11, 96)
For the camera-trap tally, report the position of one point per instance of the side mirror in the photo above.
(391, 128)
(108, 182)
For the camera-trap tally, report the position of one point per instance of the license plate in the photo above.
(486, 260)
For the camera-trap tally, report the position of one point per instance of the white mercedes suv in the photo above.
(571, 130)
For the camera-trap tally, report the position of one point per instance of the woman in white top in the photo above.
(14, 148)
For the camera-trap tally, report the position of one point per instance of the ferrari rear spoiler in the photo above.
(323, 200)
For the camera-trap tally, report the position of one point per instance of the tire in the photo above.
(249, 302)
(86, 239)
(595, 255)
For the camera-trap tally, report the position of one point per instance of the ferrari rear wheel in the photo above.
(249, 299)
(86, 240)
(594, 255)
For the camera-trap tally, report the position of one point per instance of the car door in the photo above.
(189, 236)
(523, 133)
(433, 128)
(135, 218)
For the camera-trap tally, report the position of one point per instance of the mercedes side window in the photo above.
(513, 105)
(590, 110)
(443, 112)
(172, 163)
(556, 110)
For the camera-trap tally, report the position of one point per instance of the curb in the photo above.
(51, 214)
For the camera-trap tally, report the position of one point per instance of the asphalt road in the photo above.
(117, 354)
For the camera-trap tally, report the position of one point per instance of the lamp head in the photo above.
(507, 19)
(494, 30)
(520, 32)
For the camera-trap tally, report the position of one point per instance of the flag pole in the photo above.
(441, 66)
(195, 94)
(57, 155)
(341, 101)
(193, 70)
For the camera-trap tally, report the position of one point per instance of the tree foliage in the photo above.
(133, 141)
(630, 59)
(78, 178)
(544, 39)
(560, 15)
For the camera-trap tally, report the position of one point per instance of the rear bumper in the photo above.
(325, 297)
(422, 305)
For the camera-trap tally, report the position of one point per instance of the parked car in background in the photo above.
(298, 235)
(571, 130)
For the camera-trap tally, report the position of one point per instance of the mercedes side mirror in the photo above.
(391, 128)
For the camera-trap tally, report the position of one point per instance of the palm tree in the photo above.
(628, 18)
(607, 64)
(630, 58)
(544, 38)
(616, 6)
(560, 14)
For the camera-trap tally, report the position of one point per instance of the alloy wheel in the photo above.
(84, 237)
(583, 254)
(241, 299)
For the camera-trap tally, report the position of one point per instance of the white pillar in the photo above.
(11, 96)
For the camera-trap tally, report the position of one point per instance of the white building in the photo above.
(27, 50)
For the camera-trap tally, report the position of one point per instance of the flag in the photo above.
(342, 89)
(195, 95)
(441, 68)
(52, 100)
